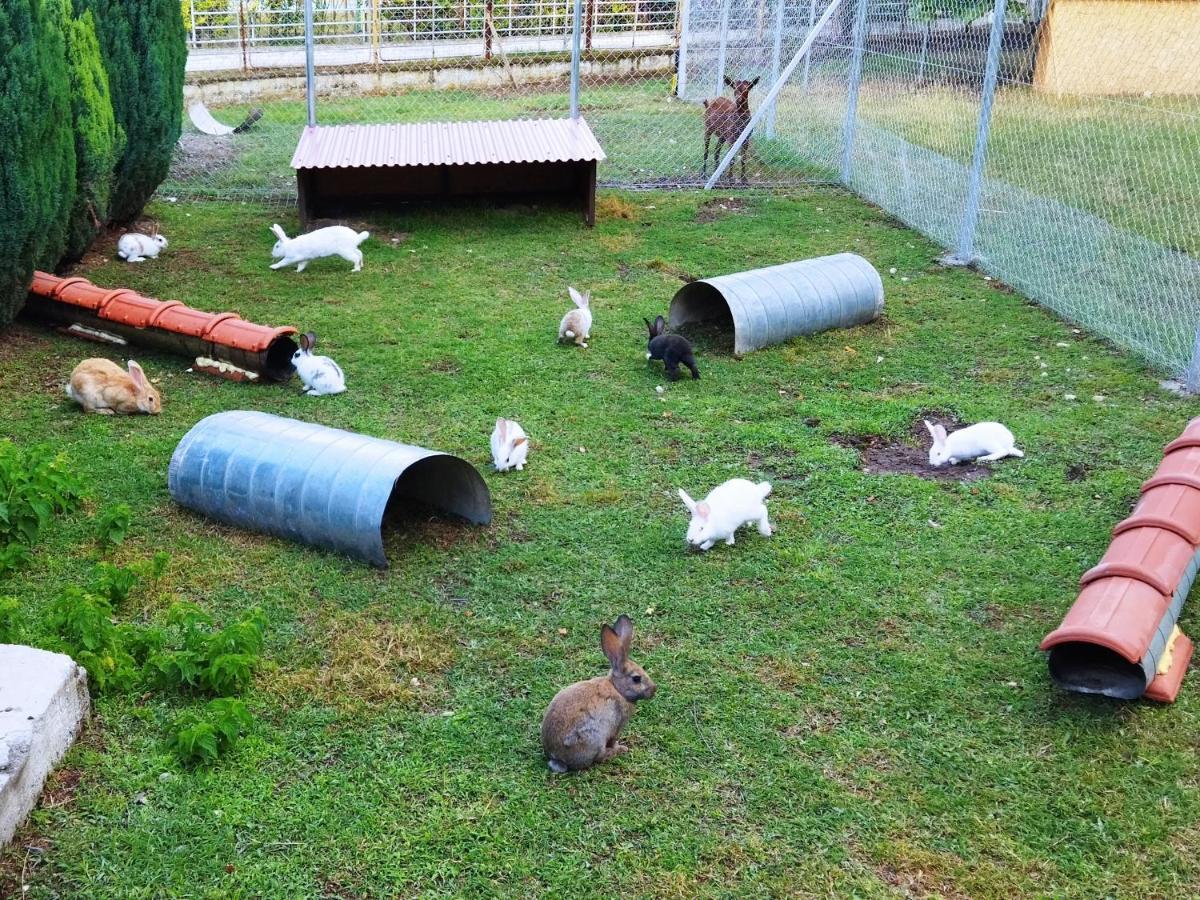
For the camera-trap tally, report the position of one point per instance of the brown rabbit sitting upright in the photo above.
(101, 386)
(584, 720)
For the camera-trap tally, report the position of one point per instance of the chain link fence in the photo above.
(1058, 148)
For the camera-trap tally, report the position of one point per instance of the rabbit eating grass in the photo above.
(101, 386)
(583, 722)
(727, 508)
(984, 442)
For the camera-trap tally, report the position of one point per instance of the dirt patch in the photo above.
(659, 265)
(910, 456)
(202, 154)
(1078, 472)
(367, 663)
(615, 208)
(719, 208)
(446, 365)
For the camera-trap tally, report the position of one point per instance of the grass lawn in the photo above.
(854, 706)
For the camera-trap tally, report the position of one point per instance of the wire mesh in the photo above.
(1083, 195)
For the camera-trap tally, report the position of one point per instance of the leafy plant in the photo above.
(35, 483)
(113, 524)
(84, 630)
(11, 628)
(202, 737)
(216, 660)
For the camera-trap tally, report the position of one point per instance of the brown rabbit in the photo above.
(101, 386)
(583, 721)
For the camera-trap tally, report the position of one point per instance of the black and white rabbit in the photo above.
(320, 374)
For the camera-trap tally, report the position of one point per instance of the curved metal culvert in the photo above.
(771, 305)
(315, 485)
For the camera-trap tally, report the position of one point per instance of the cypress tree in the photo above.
(99, 140)
(37, 147)
(144, 50)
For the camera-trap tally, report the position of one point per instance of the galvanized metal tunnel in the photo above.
(771, 305)
(321, 486)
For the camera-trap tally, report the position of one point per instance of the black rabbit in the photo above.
(672, 349)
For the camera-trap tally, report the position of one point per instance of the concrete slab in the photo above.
(43, 705)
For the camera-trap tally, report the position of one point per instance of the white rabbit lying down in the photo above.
(134, 247)
(985, 441)
(727, 508)
(335, 240)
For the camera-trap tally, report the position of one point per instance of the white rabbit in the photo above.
(335, 240)
(576, 325)
(135, 247)
(320, 374)
(510, 446)
(986, 442)
(727, 508)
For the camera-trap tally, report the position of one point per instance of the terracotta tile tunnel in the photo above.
(123, 316)
(1119, 638)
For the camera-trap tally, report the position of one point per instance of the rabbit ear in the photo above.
(933, 431)
(279, 233)
(728, 81)
(687, 501)
(611, 644)
(502, 425)
(312, 340)
(138, 376)
(703, 510)
(304, 345)
(660, 325)
(755, 80)
(580, 300)
(624, 630)
(649, 327)
(939, 433)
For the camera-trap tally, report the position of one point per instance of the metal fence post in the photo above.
(858, 39)
(576, 27)
(310, 73)
(721, 46)
(812, 17)
(681, 65)
(964, 252)
(776, 48)
(1191, 377)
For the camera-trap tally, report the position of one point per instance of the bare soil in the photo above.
(910, 456)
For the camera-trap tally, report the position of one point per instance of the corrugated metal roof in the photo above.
(446, 144)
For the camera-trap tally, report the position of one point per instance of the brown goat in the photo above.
(726, 119)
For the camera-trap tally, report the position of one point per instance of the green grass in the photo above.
(854, 706)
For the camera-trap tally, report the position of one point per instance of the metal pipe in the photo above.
(576, 40)
(767, 306)
(723, 40)
(772, 94)
(316, 485)
(310, 73)
(965, 251)
(776, 49)
(681, 65)
(858, 39)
